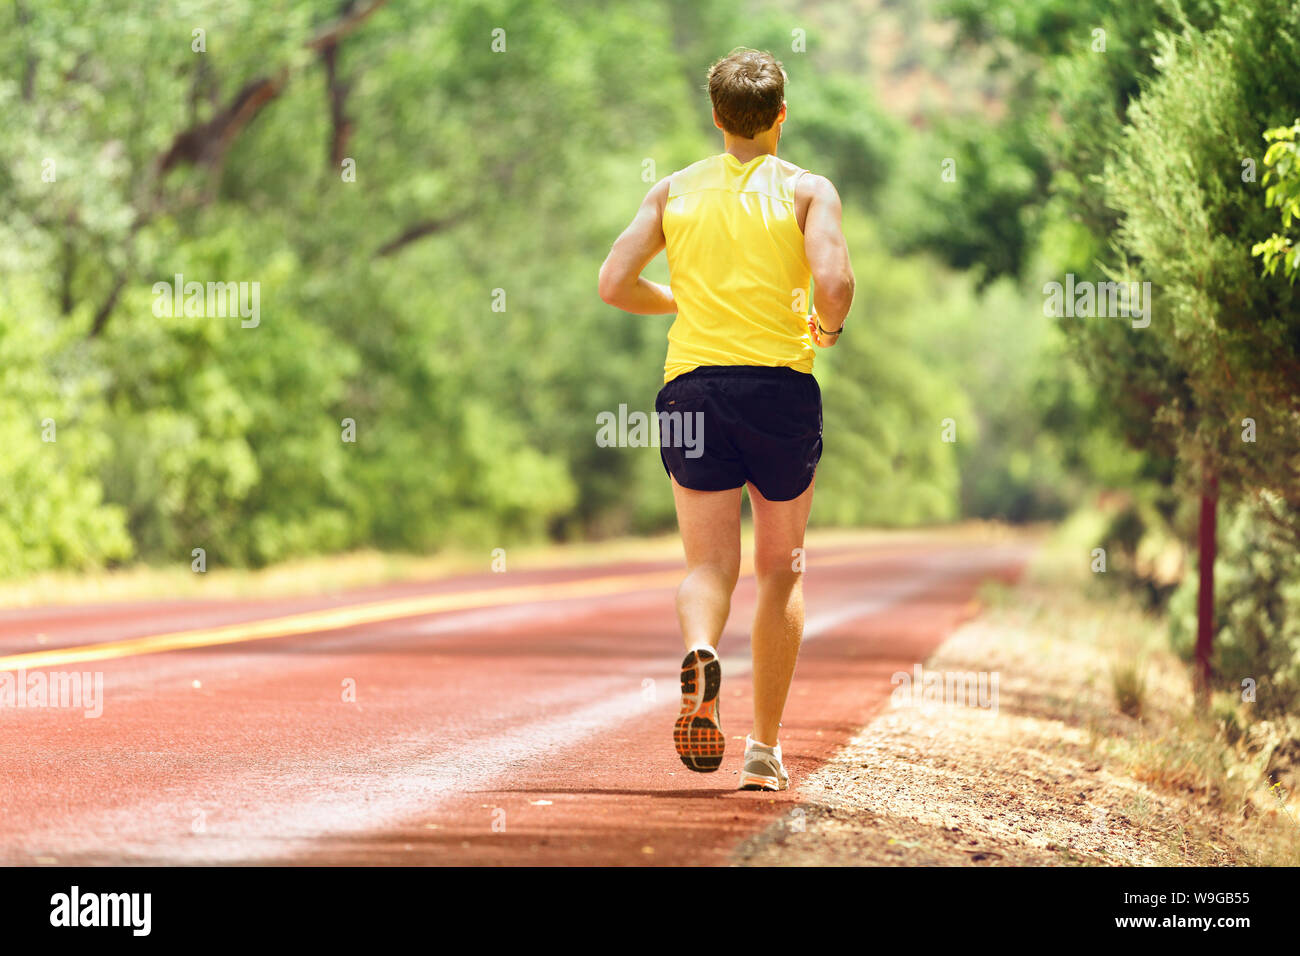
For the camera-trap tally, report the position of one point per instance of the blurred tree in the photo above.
(1189, 218)
(422, 193)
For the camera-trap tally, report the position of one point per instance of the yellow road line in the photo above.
(333, 619)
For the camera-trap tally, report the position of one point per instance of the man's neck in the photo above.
(746, 149)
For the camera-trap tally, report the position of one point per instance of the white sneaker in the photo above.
(763, 768)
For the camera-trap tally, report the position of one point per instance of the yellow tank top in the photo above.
(736, 266)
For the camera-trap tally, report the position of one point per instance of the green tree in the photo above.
(1189, 220)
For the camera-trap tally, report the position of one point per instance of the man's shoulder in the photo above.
(813, 185)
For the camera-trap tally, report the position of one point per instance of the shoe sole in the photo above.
(697, 735)
(754, 781)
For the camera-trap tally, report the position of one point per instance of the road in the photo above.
(518, 718)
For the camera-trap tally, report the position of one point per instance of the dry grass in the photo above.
(1217, 757)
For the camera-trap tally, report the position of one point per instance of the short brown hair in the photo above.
(747, 88)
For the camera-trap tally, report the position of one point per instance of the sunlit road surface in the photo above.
(519, 718)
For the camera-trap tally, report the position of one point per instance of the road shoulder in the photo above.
(1053, 774)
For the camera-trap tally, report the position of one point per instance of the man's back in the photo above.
(739, 273)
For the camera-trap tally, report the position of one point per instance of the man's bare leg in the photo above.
(778, 617)
(710, 527)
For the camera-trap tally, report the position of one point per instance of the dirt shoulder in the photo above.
(1049, 772)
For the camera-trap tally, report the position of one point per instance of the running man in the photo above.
(745, 232)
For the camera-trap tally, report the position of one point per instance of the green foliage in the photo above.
(1229, 341)
(884, 461)
(970, 195)
(1150, 144)
(481, 178)
(52, 443)
(224, 437)
(1282, 180)
(1189, 220)
(471, 425)
(843, 135)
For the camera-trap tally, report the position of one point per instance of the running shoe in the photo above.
(763, 768)
(697, 734)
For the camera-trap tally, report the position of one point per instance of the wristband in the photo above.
(822, 331)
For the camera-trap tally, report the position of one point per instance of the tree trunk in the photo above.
(1205, 596)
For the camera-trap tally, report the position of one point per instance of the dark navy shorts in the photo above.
(741, 423)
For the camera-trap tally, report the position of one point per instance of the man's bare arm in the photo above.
(828, 255)
(621, 284)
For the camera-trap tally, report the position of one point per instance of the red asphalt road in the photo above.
(536, 733)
